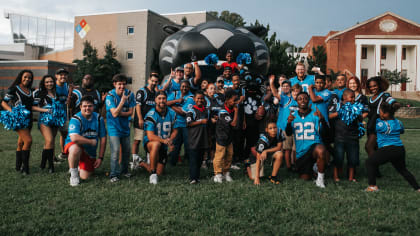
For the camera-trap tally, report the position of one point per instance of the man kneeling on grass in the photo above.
(306, 124)
(85, 129)
(269, 145)
(161, 130)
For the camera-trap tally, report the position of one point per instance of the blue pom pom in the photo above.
(244, 58)
(362, 130)
(56, 115)
(211, 59)
(350, 112)
(16, 119)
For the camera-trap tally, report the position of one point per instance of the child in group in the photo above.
(346, 139)
(341, 86)
(391, 148)
(319, 95)
(197, 118)
(287, 103)
(227, 119)
(269, 145)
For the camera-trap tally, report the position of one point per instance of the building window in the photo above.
(383, 53)
(364, 74)
(130, 55)
(130, 30)
(364, 52)
(404, 53)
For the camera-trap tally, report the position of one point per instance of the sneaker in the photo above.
(127, 175)
(372, 189)
(218, 178)
(114, 179)
(74, 181)
(320, 182)
(204, 165)
(194, 181)
(227, 177)
(62, 157)
(274, 180)
(235, 167)
(153, 179)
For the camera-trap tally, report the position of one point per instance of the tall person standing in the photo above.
(119, 107)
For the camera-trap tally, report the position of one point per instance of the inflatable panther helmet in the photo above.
(213, 37)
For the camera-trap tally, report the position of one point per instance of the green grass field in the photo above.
(45, 204)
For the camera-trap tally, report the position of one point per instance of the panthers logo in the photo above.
(213, 37)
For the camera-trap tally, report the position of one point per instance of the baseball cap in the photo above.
(179, 68)
(61, 70)
(220, 79)
(227, 68)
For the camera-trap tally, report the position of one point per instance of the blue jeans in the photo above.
(116, 168)
(181, 137)
(196, 157)
(351, 148)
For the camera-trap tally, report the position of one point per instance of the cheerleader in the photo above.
(45, 98)
(20, 93)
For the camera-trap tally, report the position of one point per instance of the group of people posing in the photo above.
(301, 121)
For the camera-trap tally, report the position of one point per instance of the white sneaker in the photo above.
(218, 178)
(114, 179)
(320, 182)
(227, 177)
(153, 179)
(74, 181)
(235, 167)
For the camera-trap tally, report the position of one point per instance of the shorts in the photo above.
(304, 164)
(64, 128)
(252, 163)
(138, 134)
(85, 162)
(163, 153)
(288, 142)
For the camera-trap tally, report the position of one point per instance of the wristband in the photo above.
(101, 158)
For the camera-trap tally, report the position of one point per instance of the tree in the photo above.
(395, 77)
(101, 69)
(319, 59)
(229, 17)
(280, 61)
(334, 74)
(184, 20)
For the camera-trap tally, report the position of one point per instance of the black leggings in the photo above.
(395, 155)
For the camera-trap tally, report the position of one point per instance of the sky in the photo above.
(294, 21)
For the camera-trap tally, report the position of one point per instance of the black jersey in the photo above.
(197, 135)
(77, 95)
(146, 99)
(362, 99)
(43, 100)
(374, 105)
(15, 96)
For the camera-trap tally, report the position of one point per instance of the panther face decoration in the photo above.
(213, 37)
(254, 91)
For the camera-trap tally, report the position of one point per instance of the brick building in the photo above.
(385, 42)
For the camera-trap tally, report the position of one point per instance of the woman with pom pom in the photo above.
(19, 95)
(230, 63)
(45, 98)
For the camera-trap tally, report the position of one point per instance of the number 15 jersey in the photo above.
(306, 132)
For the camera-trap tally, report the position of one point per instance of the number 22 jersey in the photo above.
(306, 131)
